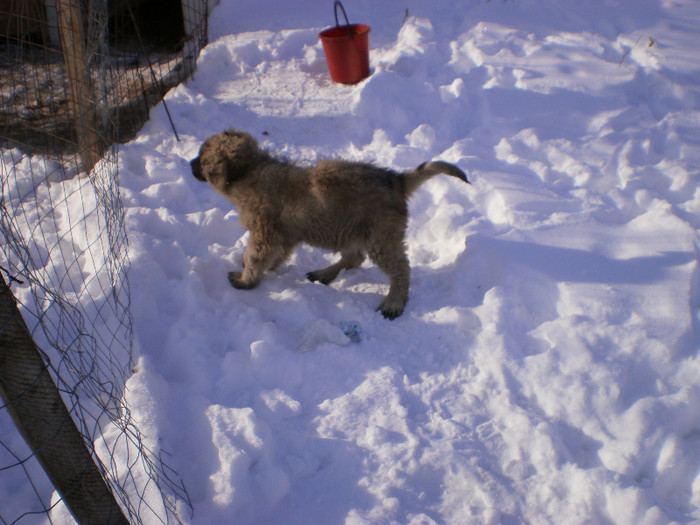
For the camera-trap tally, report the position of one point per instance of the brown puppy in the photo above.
(355, 209)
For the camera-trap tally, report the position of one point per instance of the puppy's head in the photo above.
(224, 158)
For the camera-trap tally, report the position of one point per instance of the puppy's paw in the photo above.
(318, 277)
(235, 279)
(391, 310)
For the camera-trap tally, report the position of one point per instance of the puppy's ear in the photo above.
(234, 171)
(239, 138)
(240, 150)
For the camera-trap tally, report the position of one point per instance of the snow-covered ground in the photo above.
(546, 369)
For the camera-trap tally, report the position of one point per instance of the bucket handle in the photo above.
(336, 5)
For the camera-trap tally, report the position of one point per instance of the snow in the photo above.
(546, 368)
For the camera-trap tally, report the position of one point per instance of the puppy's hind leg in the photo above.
(348, 260)
(393, 262)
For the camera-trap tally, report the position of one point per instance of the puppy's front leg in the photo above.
(257, 258)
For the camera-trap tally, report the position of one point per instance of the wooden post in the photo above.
(82, 92)
(33, 401)
(194, 16)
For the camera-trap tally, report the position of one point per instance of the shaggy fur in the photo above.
(355, 209)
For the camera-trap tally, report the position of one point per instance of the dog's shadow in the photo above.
(464, 282)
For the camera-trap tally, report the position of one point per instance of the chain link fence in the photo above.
(77, 77)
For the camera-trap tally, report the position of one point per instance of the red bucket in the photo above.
(347, 50)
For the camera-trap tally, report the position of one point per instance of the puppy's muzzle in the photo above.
(196, 166)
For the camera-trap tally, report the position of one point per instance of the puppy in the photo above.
(351, 208)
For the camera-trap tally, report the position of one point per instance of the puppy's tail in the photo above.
(425, 171)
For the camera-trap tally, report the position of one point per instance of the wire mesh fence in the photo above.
(76, 78)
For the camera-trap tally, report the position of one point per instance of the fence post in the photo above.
(36, 406)
(82, 93)
(193, 11)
